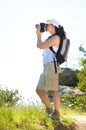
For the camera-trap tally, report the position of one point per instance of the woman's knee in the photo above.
(55, 93)
(39, 91)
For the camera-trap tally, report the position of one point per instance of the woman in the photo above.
(49, 79)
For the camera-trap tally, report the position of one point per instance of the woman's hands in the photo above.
(53, 41)
(38, 31)
(39, 41)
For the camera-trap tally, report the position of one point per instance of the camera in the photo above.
(42, 27)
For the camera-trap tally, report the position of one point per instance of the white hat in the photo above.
(53, 22)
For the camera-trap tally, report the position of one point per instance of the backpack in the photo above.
(62, 53)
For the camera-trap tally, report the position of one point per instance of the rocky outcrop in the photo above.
(67, 77)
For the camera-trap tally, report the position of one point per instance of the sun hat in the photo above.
(53, 22)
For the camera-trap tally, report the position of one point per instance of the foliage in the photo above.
(82, 49)
(74, 101)
(29, 118)
(83, 63)
(6, 118)
(8, 97)
(81, 76)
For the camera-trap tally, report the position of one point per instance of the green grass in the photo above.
(32, 118)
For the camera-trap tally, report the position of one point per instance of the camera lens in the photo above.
(42, 27)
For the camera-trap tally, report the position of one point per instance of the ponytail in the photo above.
(60, 31)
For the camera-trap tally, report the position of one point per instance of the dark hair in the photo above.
(60, 32)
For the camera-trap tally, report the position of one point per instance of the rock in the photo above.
(67, 91)
(70, 90)
(67, 77)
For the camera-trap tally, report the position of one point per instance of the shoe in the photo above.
(49, 110)
(55, 115)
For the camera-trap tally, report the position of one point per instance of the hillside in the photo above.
(35, 118)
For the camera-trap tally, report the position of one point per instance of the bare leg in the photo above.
(56, 98)
(43, 96)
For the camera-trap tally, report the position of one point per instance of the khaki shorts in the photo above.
(48, 80)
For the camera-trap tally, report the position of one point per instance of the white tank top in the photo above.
(48, 55)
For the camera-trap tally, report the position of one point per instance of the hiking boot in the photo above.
(55, 115)
(49, 110)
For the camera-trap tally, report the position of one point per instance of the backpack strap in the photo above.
(51, 48)
(58, 51)
(55, 65)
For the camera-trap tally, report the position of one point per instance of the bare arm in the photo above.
(54, 41)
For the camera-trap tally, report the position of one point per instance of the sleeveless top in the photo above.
(48, 55)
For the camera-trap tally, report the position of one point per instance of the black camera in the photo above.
(42, 27)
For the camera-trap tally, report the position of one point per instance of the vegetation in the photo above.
(81, 76)
(72, 101)
(78, 101)
(31, 118)
(9, 98)
(82, 49)
(14, 116)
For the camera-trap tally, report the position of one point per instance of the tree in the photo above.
(83, 63)
(82, 49)
(81, 75)
(9, 97)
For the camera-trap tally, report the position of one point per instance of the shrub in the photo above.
(81, 76)
(74, 101)
(8, 97)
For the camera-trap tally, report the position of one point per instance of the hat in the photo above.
(53, 22)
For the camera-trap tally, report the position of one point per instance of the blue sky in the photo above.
(20, 60)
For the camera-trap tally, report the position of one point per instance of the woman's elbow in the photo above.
(39, 47)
